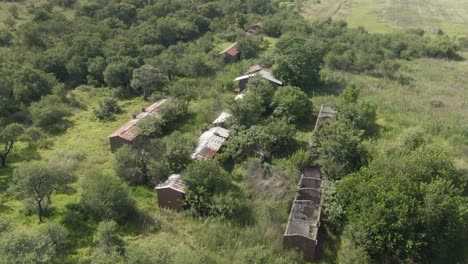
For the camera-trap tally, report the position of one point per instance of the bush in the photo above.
(107, 108)
(106, 197)
(292, 104)
(49, 113)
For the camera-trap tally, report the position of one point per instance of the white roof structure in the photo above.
(263, 73)
(239, 97)
(210, 142)
(173, 182)
(222, 118)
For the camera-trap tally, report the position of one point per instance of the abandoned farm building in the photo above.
(304, 220)
(325, 115)
(231, 54)
(171, 193)
(220, 121)
(254, 29)
(210, 142)
(130, 133)
(302, 229)
(257, 70)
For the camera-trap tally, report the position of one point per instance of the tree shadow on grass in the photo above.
(139, 222)
(328, 245)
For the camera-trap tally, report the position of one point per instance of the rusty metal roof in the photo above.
(173, 182)
(210, 142)
(231, 50)
(130, 130)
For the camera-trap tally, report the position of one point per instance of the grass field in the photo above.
(384, 15)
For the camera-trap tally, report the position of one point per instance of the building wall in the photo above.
(171, 199)
(228, 58)
(117, 142)
(243, 84)
(302, 244)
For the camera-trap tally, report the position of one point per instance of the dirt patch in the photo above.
(459, 86)
(451, 101)
(267, 179)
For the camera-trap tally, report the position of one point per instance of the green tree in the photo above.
(249, 46)
(106, 239)
(248, 111)
(30, 84)
(133, 164)
(204, 179)
(38, 181)
(8, 137)
(263, 89)
(26, 246)
(118, 73)
(148, 79)
(13, 9)
(339, 149)
(360, 115)
(406, 205)
(291, 103)
(106, 197)
(298, 60)
(107, 108)
(49, 113)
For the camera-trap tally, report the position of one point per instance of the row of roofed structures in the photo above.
(172, 192)
(231, 53)
(304, 220)
(303, 224)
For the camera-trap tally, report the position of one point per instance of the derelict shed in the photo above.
(302, 229)
(130, 133)
(231, 54)
(257, 70)
(254, 29)
(220, 121)
(325, 115)
(171, 193)
(210, 142)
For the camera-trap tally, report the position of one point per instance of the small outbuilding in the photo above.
(210, 142)
(257, 70)
(327, 112)
(254, 29)
(304, 220)
(302, 229)
(231, 54)
(220, 121)
(130, 133)
(171, 193)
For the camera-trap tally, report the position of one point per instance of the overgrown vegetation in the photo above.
(71, 72)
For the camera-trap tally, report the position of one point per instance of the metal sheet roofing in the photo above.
(173, 182)
(130, 130)
(263, 73)
(231, 50)
(222, 118)
(210, 142)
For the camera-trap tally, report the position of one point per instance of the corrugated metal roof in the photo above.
(231, 50)
(130, 130)
(222, 118)
(210, 142)
(173, 182)
(263, 73)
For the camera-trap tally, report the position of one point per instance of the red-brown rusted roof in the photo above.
(231, 50)
(130, 130)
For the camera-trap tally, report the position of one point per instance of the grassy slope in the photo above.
(384, 15)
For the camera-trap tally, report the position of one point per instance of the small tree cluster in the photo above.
(155, 161)
(107, 108)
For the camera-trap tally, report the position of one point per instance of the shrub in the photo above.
(106, 197)
(107, 108)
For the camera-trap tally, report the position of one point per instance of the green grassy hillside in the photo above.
(383, 15)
